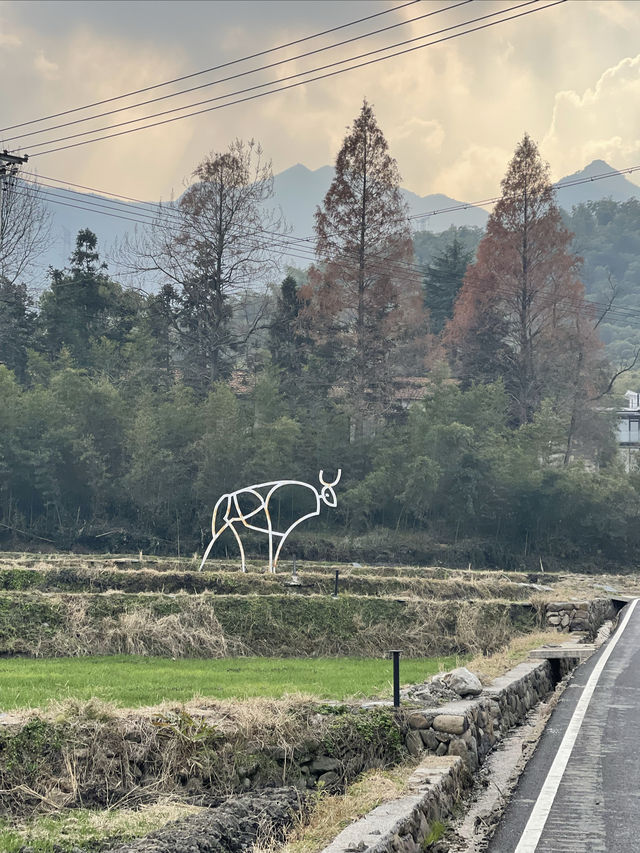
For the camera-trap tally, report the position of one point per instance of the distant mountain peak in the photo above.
(595, 167)
(616, 187)
(299, 189)
(598, 166)
(299, 167)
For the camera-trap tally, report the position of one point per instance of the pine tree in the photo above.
(442, 282)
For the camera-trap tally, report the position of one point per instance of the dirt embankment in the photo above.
(74, 624)
(232, 827)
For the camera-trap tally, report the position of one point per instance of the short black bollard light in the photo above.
(396, 677)
(335, 586)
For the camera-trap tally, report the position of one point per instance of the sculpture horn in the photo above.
(335, 482)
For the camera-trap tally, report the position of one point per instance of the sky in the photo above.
(452, 113)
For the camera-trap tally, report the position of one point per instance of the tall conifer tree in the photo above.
(521, 313)
(363, 298)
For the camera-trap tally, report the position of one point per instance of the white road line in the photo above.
(538, 818)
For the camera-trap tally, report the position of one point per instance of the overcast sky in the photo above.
(452, 113)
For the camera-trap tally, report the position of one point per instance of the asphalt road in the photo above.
(593, 803)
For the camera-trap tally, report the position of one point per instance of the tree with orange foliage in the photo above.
(521, 313)
(363, 296)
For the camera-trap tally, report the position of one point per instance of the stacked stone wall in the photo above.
(471, 728)
(585, 616)
(402, 825)
(459, 736)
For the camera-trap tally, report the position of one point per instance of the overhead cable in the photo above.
(239, 75)
(300, 83)
(209, 70)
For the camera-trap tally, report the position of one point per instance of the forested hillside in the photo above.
(607, 237)
(457, 380)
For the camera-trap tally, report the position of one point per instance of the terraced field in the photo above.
(221, 659)
(68, 605)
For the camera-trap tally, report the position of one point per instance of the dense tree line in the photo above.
(125, 414)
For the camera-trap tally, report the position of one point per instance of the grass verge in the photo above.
(332, 814)
(68, 830)
(488, 667)
(133, 681)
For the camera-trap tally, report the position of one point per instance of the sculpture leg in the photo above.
(213, 539)
(270, 528)
(239, 541)
(206, 553)
(278, 549)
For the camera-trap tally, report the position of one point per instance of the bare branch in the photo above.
(620, 372)
(25, 224)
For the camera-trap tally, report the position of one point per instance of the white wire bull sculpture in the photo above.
(231, 513)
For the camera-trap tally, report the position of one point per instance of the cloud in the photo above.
(602, 122)
(621, 14)
(48, 70)
(475, 160)
(9, 39)
(452, 113)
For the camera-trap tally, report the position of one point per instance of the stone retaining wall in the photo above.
(580, 615)
(459, 735)
(402, 825)
(471, 728)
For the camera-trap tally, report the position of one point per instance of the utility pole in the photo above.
(8, 166)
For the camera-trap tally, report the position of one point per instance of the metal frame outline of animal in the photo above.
(233, 514)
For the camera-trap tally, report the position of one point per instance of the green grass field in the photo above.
(130, 681)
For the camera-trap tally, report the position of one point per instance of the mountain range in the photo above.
(298, 190)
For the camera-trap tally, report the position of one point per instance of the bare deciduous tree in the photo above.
(218, 242)
(24, 225)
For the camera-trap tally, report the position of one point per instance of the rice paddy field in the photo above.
(131, 681)
(136, 689)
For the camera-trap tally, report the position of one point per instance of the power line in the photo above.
(282, 80)
(402, 270)
(297, 240)
(213, 68)
(239, 75)
(621, 313)
(435, 212)
(303, 82)
(53, 193)
(558, 186)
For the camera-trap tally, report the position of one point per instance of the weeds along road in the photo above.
(581, 790)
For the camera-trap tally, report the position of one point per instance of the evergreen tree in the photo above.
(289, 342)
(17, 324)
(84, 309)
(442, 282)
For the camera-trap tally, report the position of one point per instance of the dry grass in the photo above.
(83, 826)
(488, 667)
(332, 813)
(194, 632)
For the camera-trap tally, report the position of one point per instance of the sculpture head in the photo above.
(327, 493)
